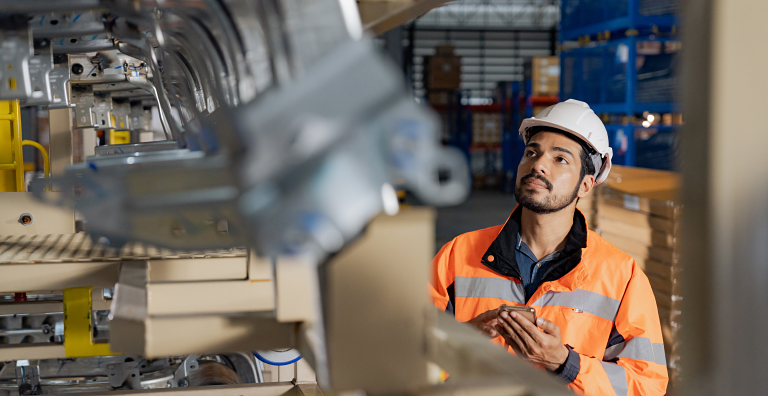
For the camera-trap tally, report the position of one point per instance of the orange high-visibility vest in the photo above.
(597, 295)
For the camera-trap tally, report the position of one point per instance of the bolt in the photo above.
(77, 69)
(25, 219)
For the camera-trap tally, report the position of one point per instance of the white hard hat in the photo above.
(577, 118)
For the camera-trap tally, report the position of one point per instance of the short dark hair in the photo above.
(587, 166)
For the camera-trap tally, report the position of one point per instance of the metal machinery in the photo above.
(254, 226)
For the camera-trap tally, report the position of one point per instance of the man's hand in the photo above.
(540, 347)
(487, 322)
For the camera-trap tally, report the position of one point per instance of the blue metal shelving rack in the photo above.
(460, 129)
(512, 144)
(605, 74)
(581, 18)
(599, 92)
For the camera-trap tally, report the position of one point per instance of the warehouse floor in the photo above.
(484, 208)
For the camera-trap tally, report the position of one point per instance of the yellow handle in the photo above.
(46, 160)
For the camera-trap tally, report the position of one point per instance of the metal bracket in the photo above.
(15, 51)
(84, 46)
(124, 373)
(28, 377)
(181, 376)
(64, 27)
(84, 71)
(59, 79)
(121, 111)
(84, 103)
(137, 116)
(40, 67)
(103, 110)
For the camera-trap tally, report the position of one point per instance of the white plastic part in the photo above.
(577, 118)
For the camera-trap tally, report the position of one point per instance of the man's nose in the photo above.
(539, 166)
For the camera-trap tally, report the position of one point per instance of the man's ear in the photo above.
(587, 183)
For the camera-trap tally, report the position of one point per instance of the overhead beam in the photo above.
(379, 16)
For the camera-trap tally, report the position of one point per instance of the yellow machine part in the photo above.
(118, 137)
(11, 161)
(78, 330)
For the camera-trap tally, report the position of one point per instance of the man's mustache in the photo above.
(537, 177)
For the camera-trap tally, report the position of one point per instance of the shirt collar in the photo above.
(500, 256)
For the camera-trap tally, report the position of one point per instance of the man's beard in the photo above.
(547, 205)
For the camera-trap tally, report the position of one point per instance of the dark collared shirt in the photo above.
(532, 269)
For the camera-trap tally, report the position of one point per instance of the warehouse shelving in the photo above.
(586, 18)
(606, 75)
(516, 101)
(652, 147)
(631, 74)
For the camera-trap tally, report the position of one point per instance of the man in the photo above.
(598, 327)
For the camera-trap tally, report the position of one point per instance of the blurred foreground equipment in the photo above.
(255, 225)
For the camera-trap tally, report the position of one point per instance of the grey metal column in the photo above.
(725, 177)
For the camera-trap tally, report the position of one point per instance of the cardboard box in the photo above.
(637, 219)
(644, 235)
(665, 270)
(442, 97)
(627, 245)
(660, 283)
(545, 75)
(643, 190)
(444, 49)
(663, 254)
(486, 128)
(660, 203)
(443, 72)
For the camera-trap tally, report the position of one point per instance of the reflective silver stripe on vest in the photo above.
(618, 378)
(638, 348)
(472, 286)
(585, 300)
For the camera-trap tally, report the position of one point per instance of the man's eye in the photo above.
(562, 160)
(529, 153)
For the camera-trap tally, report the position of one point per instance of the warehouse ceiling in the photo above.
(494, 14)
(493, 37)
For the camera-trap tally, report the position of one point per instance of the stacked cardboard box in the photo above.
(486, 129)
(442, 98)
(485, 163)
(588, 206)
(544, 71)
(639, 212)
(442, 71)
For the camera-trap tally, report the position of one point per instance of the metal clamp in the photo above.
(121, 374)
(28, 377)
(181, 376)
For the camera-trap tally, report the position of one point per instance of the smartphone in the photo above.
(524, 310)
